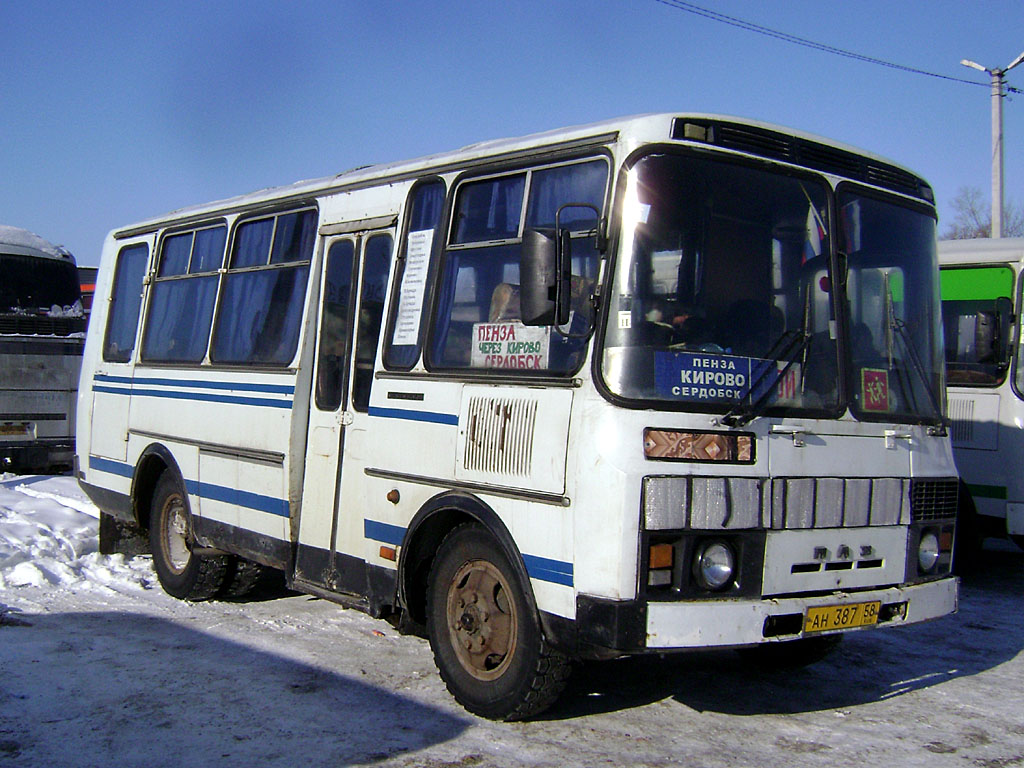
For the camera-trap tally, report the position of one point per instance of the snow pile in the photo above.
(73, 310)
(49, 538)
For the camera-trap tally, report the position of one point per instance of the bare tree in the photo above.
(972, 217)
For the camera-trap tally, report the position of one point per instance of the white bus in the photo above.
(985, 383)
(601, 391)
(42, 334)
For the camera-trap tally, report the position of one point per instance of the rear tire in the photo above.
(182, 573)
(485, 632)
(242, 577)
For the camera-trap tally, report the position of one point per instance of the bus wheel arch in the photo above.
(154, 461)
(430, 526)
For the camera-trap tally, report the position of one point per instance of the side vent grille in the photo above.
(933, 499)
(499, 436)
(961, 413)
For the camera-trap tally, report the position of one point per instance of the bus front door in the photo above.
(328, 415)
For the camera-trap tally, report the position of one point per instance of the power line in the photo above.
(732, 21)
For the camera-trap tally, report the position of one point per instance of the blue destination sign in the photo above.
(711, 378)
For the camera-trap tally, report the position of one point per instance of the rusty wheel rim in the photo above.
(176, 535)
(482, 620)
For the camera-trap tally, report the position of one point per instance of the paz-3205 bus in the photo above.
(662, 383)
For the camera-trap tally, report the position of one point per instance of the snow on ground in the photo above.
(48, 537)
(99, 667)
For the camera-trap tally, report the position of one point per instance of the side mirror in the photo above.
(545, 266)
(543, 280)
(991, 333)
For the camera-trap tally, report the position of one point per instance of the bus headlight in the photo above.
(927, 551)
(714, 565)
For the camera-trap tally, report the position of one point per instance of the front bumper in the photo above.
(747, 622)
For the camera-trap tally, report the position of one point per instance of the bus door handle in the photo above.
(891, 436)
(346, 418)
(794, 432)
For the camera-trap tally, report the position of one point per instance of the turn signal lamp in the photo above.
(660, 558)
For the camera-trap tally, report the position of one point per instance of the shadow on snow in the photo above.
(126, 689)
(870, 665)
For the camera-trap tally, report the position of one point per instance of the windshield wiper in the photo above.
(897, 326)
(787, 348)
(900, 329)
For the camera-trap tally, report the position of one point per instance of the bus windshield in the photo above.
(33, 285)
(892, 285)
(722, 300)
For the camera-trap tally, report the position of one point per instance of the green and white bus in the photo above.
(981, 313)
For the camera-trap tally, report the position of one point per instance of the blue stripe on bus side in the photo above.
(411, 415)
(389, 534)
(133, 388)
(111, 467)
(541, 568)
(544, 569)
(277, 389)
(208, 397)
(112, 390)
(246, 499)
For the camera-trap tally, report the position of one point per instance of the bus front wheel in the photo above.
(485, 632)
(182, 573)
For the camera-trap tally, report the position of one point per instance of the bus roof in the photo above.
(655, 127)
(25, 243)
(982, 250)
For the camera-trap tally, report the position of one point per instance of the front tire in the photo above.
(485, 632)
(182, 573)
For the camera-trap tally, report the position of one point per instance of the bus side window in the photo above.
(261, 305)
(334, 325)
(376, 264)
(419, 241)
(126, 300)
(181, 308)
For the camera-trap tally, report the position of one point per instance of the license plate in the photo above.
(826, 617)
(14, 429)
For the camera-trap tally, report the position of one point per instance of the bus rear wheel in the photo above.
(485, 632)
(181, 572)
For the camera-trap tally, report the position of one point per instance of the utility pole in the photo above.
(998, 92)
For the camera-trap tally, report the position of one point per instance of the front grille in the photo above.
(933, 499)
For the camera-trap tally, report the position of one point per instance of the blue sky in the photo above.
(111, 112)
